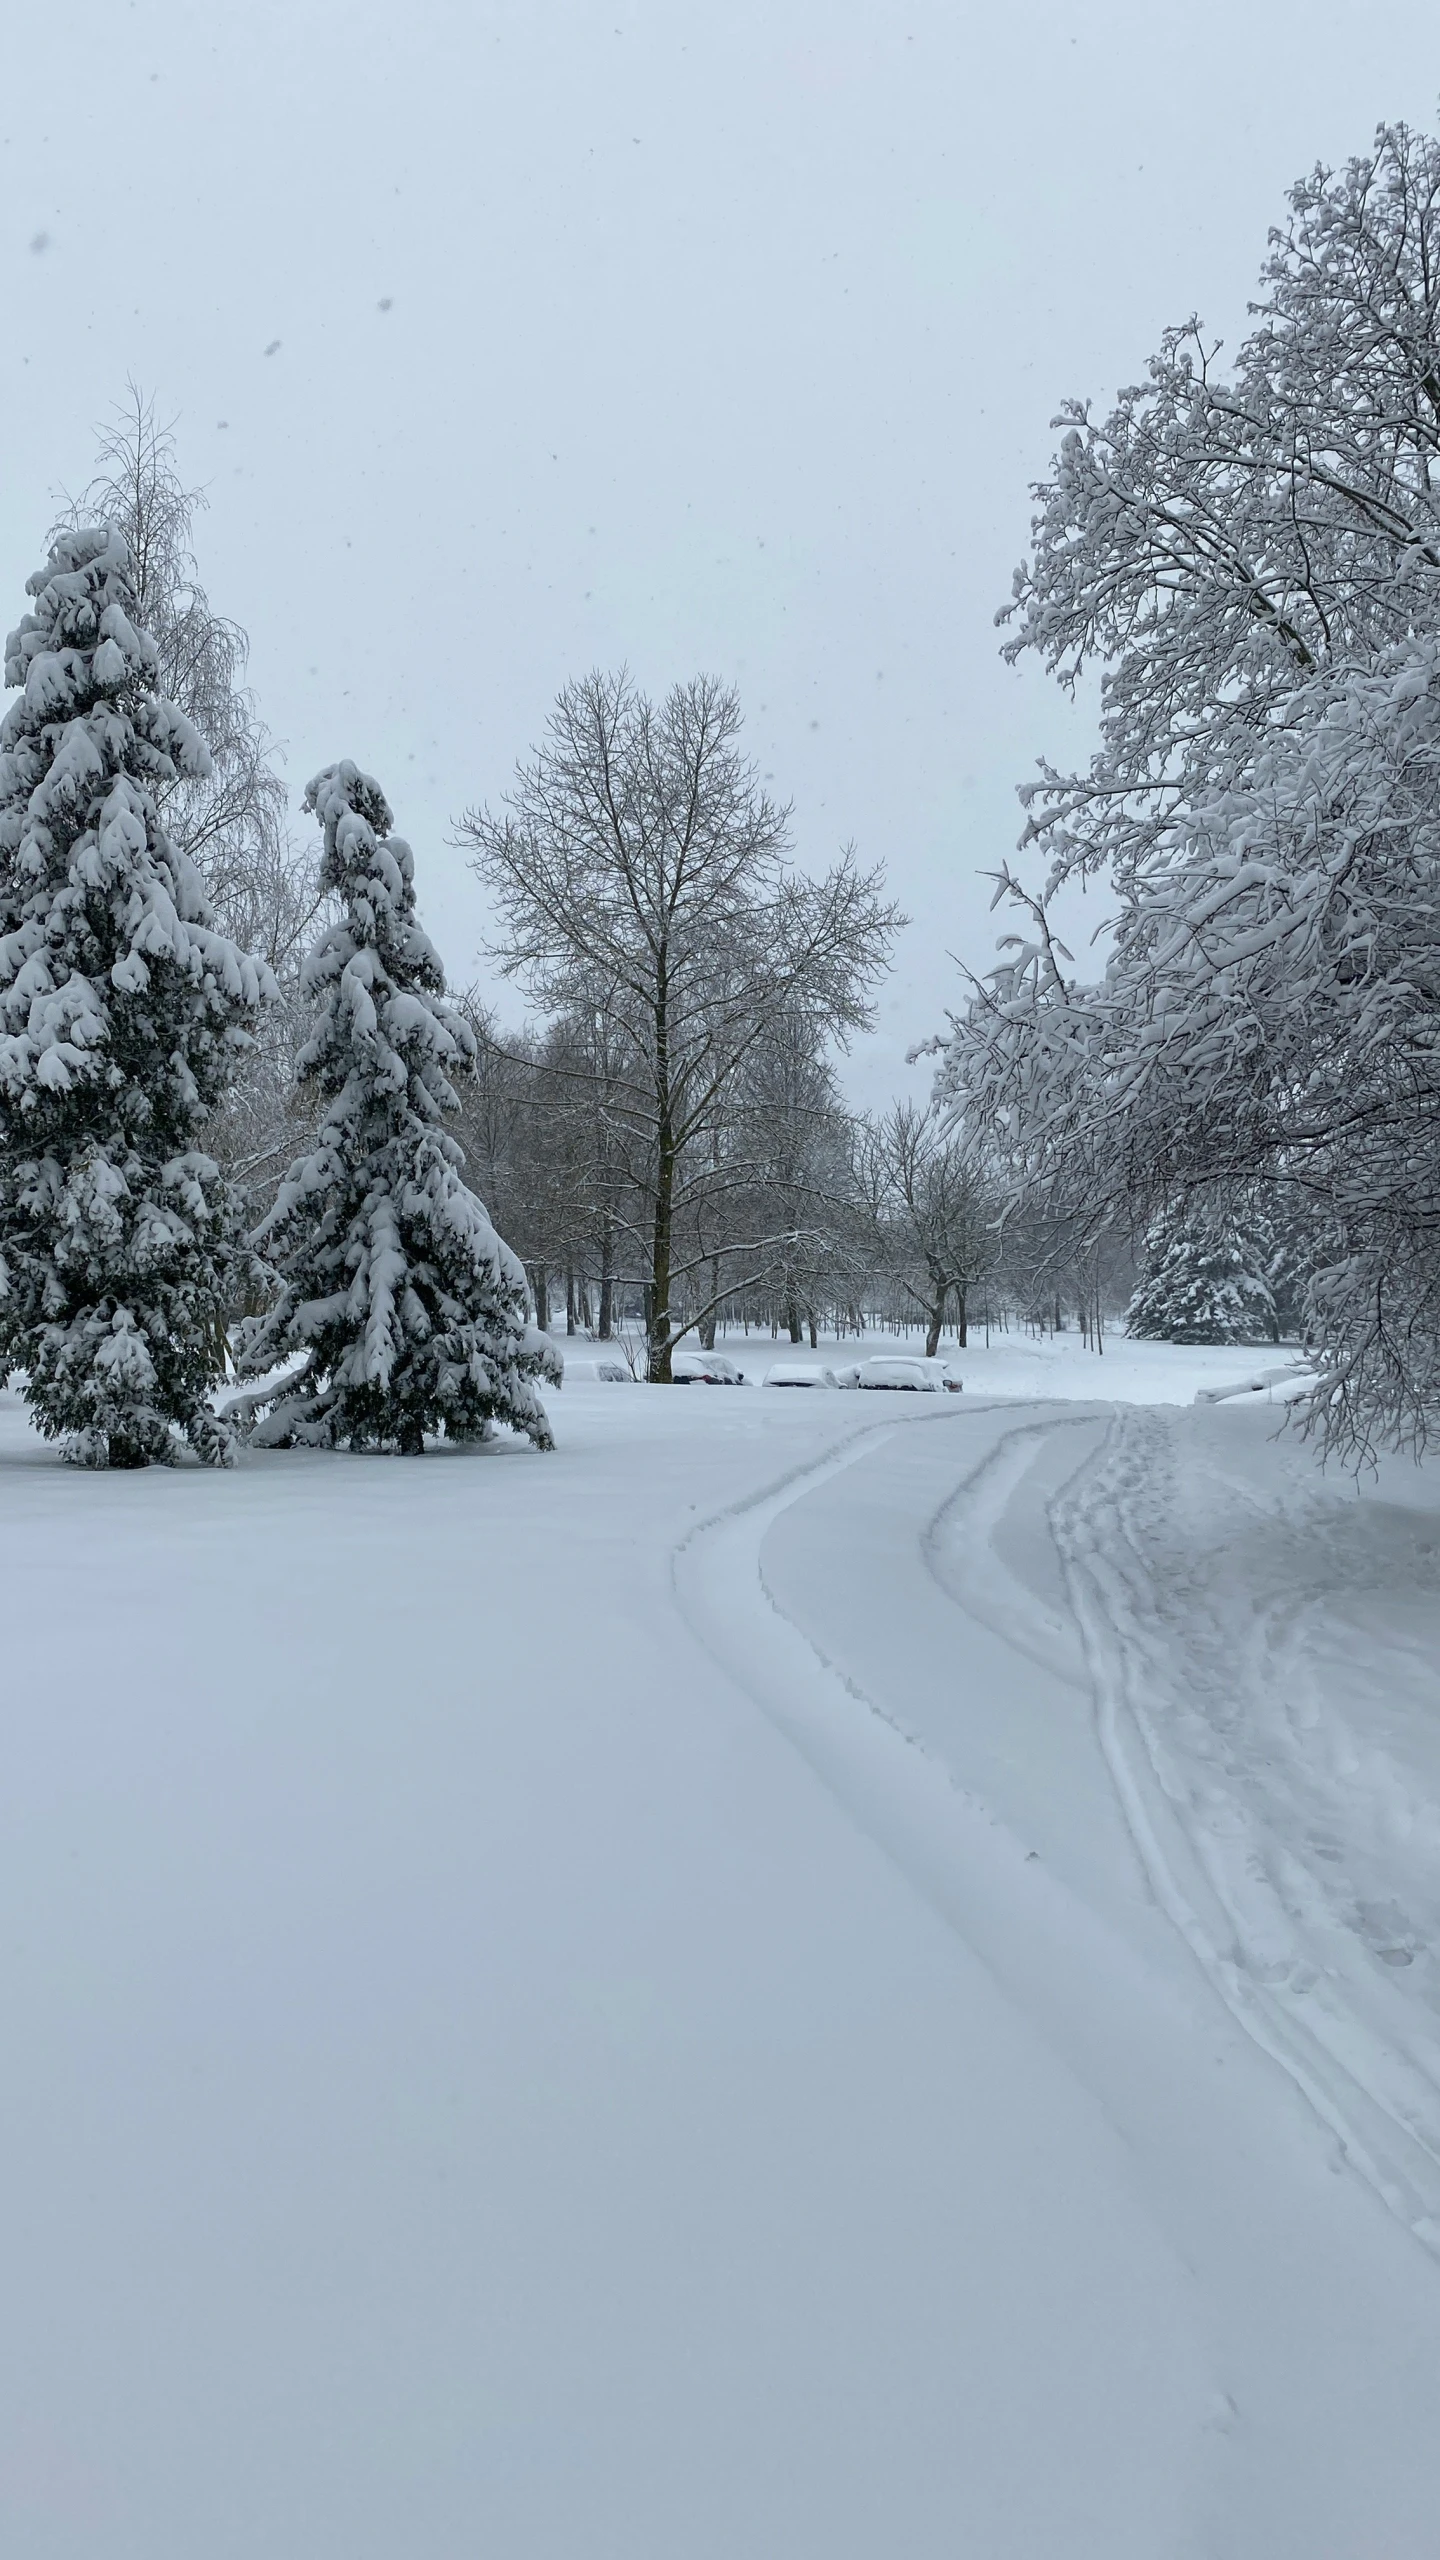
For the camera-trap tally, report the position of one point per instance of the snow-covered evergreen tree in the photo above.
(1202, 1285)
(122, 1012)
(407, 1311)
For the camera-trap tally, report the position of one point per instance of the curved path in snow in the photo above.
(937, 1617)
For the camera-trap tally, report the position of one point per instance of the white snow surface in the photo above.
(809, 1976)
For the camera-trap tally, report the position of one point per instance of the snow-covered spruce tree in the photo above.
(122, 1012)
(407, 1311)
(1200, 1286)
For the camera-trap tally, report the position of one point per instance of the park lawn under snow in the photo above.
(813, 1974)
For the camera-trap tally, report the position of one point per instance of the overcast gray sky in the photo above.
(513, 340)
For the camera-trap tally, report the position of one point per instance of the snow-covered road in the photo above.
(643, 2004)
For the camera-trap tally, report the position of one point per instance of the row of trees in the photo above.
(190, 1004)
(669, 1148)
(225, 1062)
(670, 1144)
(818, 1219)
(673, 1141)
(802, 1217)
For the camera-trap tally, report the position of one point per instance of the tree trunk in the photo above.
(542, 1297)
(570, 1326)
(936, 1325)
(814, 1334)
(607, 1282)
(793, 1325)
(662, 1233)
(961, 1325)
(659, 1362)
(709, 1324)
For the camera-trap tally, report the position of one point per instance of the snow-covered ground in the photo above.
(813, 1975)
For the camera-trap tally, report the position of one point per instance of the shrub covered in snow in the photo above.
(407, 1312)
(122, 1012)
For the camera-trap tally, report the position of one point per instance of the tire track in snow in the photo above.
(1318, 2420)
(947, 1842)
(1204, 1867)
(1009, 1914)
(961, 1551)
(725, 1600)
(1041, 1942)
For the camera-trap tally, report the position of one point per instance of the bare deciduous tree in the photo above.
(642, 874)
(934, 1210)
(796, 1134)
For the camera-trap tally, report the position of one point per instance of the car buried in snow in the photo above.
(705, 1369)
(910, 1372)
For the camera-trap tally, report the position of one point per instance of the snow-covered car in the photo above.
(799, 1373)
(705, 1369)
(608, 1365)
(908, 1370)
